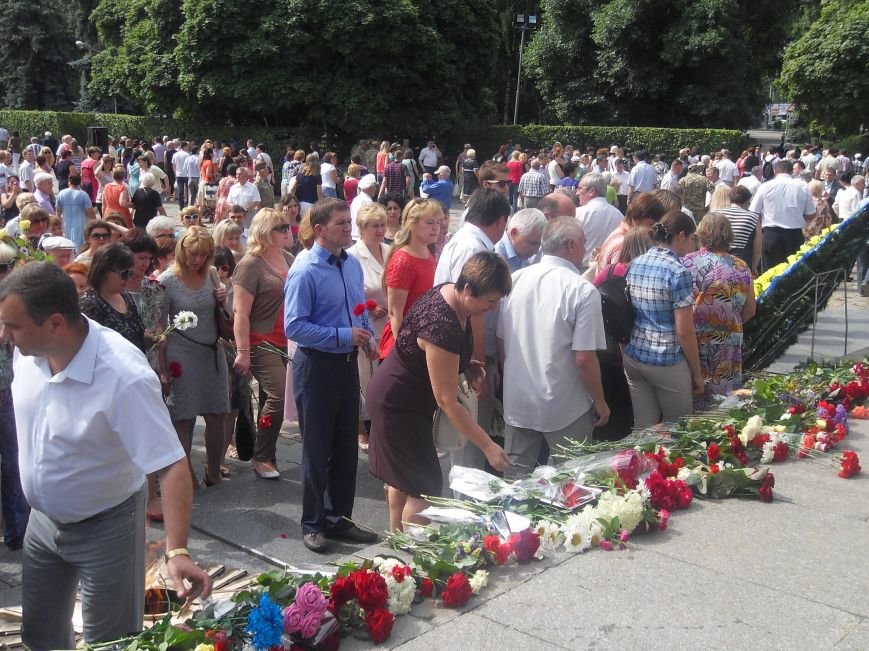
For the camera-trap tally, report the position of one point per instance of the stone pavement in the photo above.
(728, 574)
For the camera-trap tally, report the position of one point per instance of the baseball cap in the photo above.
(367, 181)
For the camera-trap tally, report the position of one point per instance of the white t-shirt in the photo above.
(598, 219)
(326, 170)
(179, 161)
(624, 180)
(551, 313)
(727, 171)
(553, 172)
(25, 174)
(751, 182)
(467, 241)
(106, 429)
(846, 202)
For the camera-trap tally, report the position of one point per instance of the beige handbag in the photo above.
(447, 437)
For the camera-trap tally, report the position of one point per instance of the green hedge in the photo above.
(655, 140)
(486, 142)
(35, 123)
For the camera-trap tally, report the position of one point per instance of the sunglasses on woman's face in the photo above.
(283, 228)
(191, 218)
(100, 236)
(126, 274)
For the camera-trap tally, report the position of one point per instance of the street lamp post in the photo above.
(522, 22)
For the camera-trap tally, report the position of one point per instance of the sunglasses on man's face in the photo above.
(100, 236)
(501, 184)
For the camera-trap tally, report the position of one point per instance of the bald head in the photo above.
(556, 204)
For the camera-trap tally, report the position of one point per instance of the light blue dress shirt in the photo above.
(321, 292)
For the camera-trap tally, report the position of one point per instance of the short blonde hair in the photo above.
(227, 228)
(371, 211)
(715, 232)
(259, 237)
(816, 187)
(195, 239)
(720, 198)
(306, 231)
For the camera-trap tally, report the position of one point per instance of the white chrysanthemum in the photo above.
(577, 537)
(550, 534)
(400, 594)
(768, 452)
(785, 416)
(479, 581)
(185, 320)
(644, 491)
(752, 428)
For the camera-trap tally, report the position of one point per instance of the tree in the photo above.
(343, 66)
(657, 62)
(824, 71)
(36, 47)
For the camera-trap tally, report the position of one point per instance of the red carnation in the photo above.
(400, 572)
(371, 590)
(765, 489)
(426, 587)
(218, 639)
(781, 451)
(850, 464)
(759, 441)
(370, 305)
(175, 369)
(713, 453)
(379, 623)
(807, 446)
(342, 591)
(797, 409)
(457, 592)
(264, 422)
(714, 469)
(359, 309)
(524, 544)
(500, 551)
(663, 519)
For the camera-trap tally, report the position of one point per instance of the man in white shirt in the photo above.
(262, 156)
(552, 382)
(848, 198)
(244, 194)
(753, 180)
(486, 219)
(597, 217)
(367, 189)
(159, 150)
(191, 170)
(91, 425)
(554, 172)
(179, 162)
(27, 170)
(727, 169)
(785, 205)
(429, 157)
(642, 177)
(624, 180)
(672, 177)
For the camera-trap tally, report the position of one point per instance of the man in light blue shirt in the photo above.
(440, 190)
(324, 313)
(75, 208)
(521, 240)
(643, 177)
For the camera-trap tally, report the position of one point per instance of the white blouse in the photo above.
(372, 271)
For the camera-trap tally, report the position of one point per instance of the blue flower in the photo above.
(265, 624)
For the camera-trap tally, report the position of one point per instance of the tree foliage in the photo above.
(658, 62)
(824, 71)
(36, 48)
(350, 66)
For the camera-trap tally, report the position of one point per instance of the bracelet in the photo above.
(243, 350)
(178, 551)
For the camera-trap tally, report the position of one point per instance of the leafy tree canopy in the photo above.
(658, 62)
(824, 71)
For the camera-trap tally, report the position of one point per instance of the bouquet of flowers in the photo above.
(182, 321)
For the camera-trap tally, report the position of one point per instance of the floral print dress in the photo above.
(721, 283)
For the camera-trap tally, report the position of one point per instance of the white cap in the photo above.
(368, 181)
(55, 242)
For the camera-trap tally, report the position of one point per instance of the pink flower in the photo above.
(623, 536)
(310, 625)
(606, 545)
(293, 619)
(310, 599)
(664, 515)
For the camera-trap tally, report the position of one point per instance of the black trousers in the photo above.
(326, 389)
(779, 243)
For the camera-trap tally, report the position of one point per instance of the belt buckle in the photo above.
(349, 357)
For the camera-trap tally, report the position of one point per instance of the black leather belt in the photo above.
(335, 357)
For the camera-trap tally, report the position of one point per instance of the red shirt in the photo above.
(350, 189)
(412, 274)
(517, 168)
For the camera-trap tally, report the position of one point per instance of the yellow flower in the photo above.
(3, 234)
(204, 647)
(24, 224)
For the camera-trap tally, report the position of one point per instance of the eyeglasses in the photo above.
(100, 236)
(283, 228)
(191, 218)
(126, 274)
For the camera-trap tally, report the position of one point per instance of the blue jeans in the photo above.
(326, 389)
(16, 511)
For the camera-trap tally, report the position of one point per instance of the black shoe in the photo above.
(352, 534)
(315, 542)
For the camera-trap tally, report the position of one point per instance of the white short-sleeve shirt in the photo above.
(551, 313)
(88, 435)
(467, 241)
(784, 202)
(598, 219)
(243, 195)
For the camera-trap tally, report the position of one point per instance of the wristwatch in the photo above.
(178, 551)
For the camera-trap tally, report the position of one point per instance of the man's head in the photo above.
(563, 237)
(39, 309)
(757, 172)
(558, 204)
(641, 155)
(784, 166)
(262, 171)
(59, 248)
(676, 166)
(495, 176)
(714, 174)
(591, 186)
(488, 209)
(620, 165)
(43, 182)
(237, 214)
(242, 174)
(330, 219)
(829, 174)
(431, 144)
(525, 230)
(368, 185)
(443, 172)
(28, 155)
(858, 182)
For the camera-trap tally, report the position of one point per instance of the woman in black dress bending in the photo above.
(433, 346)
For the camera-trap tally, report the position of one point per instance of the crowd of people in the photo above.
(585, 293)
